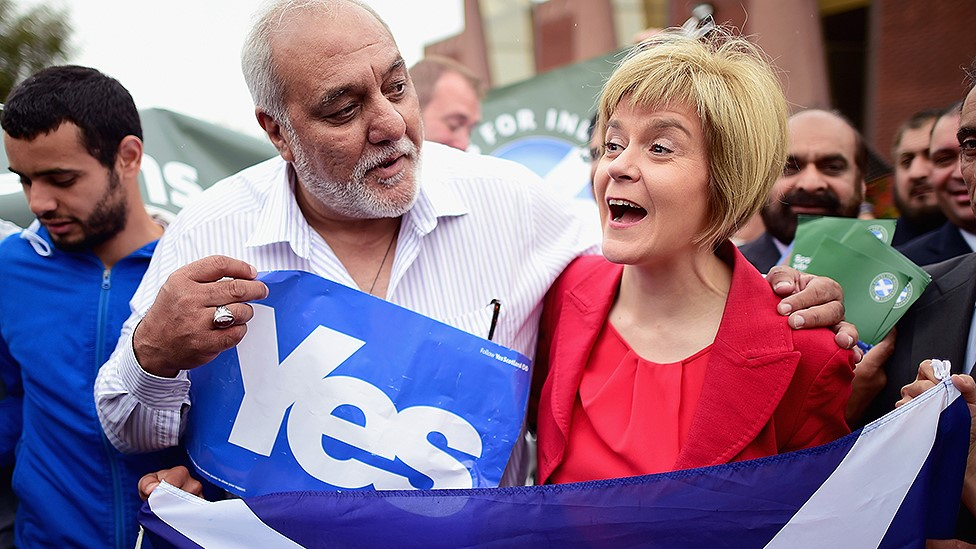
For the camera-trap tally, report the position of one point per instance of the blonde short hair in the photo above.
(739, 100)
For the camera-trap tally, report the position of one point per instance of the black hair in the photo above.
(954, 108)
(915, 122)
(98, 104)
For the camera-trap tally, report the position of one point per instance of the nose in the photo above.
(461, 138)
(920, 168)
(622, 168)
(957, 170)
(40, 199)
(387, 124)
(810, 179)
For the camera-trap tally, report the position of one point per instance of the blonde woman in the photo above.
(668, 353)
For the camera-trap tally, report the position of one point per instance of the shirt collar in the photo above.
(969, 237)
(437, 197)
(280, 219)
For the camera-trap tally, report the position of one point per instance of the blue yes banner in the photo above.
(333, 389)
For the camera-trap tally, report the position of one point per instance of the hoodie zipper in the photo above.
(117, 499)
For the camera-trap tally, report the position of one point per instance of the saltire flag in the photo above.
(334, 389)
(893, 483)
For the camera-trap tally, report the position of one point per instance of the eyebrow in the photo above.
(832, 158)
(460, 117)
(658, 123)
(964, 132)
(52, 171)
(396, 65)
(942, 151)
(797, 159)
(912, 152)
(333, 94)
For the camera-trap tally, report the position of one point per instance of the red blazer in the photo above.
(768, 389)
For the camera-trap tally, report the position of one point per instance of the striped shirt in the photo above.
(481, 229)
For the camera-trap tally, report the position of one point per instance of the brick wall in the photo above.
(917, 51)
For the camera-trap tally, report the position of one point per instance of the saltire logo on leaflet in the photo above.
(905, 297)
(884, 287)
(879, 231)
(894, 483)
(332, 388)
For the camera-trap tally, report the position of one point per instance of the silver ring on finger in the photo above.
(223, 318)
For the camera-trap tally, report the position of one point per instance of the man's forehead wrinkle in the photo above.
(337, 85)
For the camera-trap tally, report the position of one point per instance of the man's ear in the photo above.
(277, 137)
(128, 157)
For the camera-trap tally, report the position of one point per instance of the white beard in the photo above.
(355, 198)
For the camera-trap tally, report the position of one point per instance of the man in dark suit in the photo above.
(958, 235)
(940, 323)
(824, 175)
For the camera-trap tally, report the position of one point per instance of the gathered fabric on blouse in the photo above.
(631, 415)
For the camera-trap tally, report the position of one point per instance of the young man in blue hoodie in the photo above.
(73, 136)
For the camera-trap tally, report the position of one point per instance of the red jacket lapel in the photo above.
(750, 368)
(584, 307)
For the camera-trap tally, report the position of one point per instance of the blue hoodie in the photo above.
(60, 317)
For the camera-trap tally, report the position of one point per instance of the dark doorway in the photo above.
(846, 42)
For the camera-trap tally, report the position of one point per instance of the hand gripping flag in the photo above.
(893, 483)
(332, 389)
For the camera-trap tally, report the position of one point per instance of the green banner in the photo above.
(543, 123)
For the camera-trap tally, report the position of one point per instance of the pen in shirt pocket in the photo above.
(496, 308)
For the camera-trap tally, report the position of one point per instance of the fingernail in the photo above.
(784, 308)
(782, 285)
(797, 321)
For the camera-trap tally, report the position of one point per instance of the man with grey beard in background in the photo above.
(824, 175)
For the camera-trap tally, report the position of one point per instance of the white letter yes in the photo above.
(302, 382)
